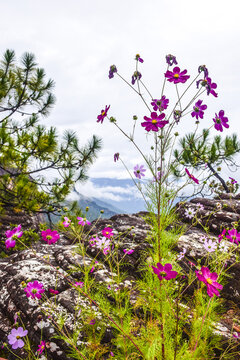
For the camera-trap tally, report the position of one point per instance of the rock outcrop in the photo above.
(51, 265)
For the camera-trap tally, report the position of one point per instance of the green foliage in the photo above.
(28, 149)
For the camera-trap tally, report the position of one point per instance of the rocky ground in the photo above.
(50, 265)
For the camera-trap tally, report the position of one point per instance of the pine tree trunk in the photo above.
(218, 177)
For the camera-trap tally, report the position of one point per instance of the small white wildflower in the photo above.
(209, 245)
(51, 330)
(223, 246)
(199, 206)
(53, 346)
(59, 352)
(181, 254)
(190, 213)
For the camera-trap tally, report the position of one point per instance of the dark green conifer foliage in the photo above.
(201, 153)
(28, 149)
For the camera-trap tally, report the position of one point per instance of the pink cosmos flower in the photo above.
(138, 58)
(221, 236)
(176, 76)
(107, 232)
(170, 59)
(34, 289)
(16, 232)
(14, 338)
(83, 221)
(210, 86)
(66, 222)
(50, 236)
(12, 235)
(164, 272)
(116, 157)
(52, 291)
(136, 76)
(220, 121)
(209, 245)
(10, 243)
(233, 181)
(154, 123)
(161, 104)
(41, 347)
(112, 70)
(103, 114)
(233, 236)
(128, 252)
(191, 176)
(79, 283)
(198, 109)
(139, 171)
(199, 206)
(181, 254)
(190, 213)
(209, 279)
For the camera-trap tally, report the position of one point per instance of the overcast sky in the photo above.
(76, 41)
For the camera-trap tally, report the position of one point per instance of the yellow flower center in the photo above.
(107, 232)
(162, 273)
(103, 113)
(48, 237)
(176, 76)
(209, 281)
(154, 121)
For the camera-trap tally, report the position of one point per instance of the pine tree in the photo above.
(29, 150)
(203, 153)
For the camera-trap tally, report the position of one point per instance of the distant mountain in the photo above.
(130, 202)
(95, 206)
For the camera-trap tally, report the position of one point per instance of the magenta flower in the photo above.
(220, 121)
(233, 181)
(103, 114)
(116, 157)
(139, 171)
(41, 347)
(54, 292)
(204, 69)
(107, 232)
(14, 338)
(207, 82)
(50, 236)
(191, 176)
(233, 236)
(176, 76)
(79, 283)
(161, 104)
(83, 221)
(138, 58)
(221, 236)
(10, 243)
(66, 222)
(209, 279)
(164, 272)
(112, 70)
(128, 252)
(34, 289)
(177, 114)
(136, 76)
(92, 322)
(16, 232)
(198, 109)
(155, 122)
(170, 59)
